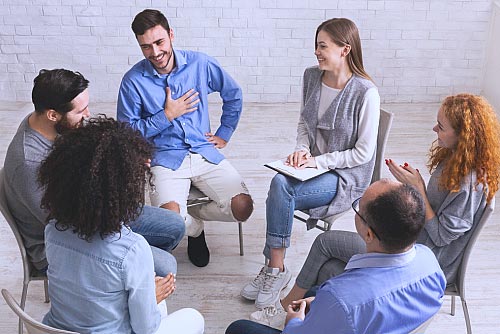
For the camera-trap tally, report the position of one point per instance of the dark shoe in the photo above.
(198, 252)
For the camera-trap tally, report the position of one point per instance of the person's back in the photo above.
(25, 153)
(395, 298)
(93, 285)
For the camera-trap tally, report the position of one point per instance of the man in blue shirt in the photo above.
(392, 288)
(165, 97)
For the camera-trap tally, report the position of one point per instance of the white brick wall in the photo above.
(416, 50)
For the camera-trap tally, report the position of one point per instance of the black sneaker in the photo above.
(198, 252)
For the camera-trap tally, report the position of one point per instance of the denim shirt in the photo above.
(102, 286)
(378, 293)
(141, 103)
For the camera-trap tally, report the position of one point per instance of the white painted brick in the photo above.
(34, 10)
(8, 59)
(14, 10)
(376, 4)
(233, 23)
(23, 30)
(230, 13)
(5, 10)
(314, 14)
(13, 49)
(92, 10)
(216, 3)
(91, 21)
(56, 10)
(6, 40)
(21, 68)
(118, 11)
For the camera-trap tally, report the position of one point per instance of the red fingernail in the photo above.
(417, 170)
(386, 161)
(390, 160)
(406, 164)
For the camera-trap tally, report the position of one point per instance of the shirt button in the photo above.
(183, 123)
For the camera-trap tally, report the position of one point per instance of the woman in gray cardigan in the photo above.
(465, 167)
(337, 130)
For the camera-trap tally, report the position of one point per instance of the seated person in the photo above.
(101, 273)
(465, 174)
(337, 130)
(61, 100)
(165, 97)
(393, 287)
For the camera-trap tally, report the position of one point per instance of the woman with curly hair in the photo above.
(101, 273)
(464, 163)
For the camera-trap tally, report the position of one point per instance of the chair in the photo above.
(28, 269)
(423, 327)
(33, 326)
(384, 128)
(196, 197)
(458, 287)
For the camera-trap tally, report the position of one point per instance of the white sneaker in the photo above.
(274, 282)
(251, 290)
(272, 316)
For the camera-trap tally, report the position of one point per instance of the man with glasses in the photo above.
(383, 282)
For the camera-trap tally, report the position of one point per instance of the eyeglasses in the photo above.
(355, 207)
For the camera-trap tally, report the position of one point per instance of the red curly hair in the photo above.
(478, 148)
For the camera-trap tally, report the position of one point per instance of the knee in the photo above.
(279, 184)
(242, 206)
(196, 320)
(172, 206)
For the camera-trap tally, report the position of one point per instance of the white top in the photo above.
(365, 146)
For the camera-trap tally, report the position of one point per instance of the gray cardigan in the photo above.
(341, 121)
(457, 214)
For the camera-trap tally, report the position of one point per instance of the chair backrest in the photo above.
(488, 210)
(33, 326)
(27, 266)
(384, 127)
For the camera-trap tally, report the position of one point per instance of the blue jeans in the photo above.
(250, 327)
(163, 230)
(286, 195)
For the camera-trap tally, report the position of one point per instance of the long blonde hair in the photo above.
(478, 147)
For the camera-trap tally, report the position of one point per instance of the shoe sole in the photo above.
(262, 306)
(247, 297)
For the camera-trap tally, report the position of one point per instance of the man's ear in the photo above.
(171, 34)
(53, 115)
(369, 236)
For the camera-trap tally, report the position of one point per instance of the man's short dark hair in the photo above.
(55, 89)
(148, 19)
(397, 216)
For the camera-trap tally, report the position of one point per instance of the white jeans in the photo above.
(219, 182)
(185, 321)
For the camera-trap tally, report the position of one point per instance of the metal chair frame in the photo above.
(29, 271)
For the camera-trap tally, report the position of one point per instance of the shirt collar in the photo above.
(371, 260)
(150, 70)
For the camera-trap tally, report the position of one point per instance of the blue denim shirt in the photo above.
(141, 102)
(103, 286)
(378, 293)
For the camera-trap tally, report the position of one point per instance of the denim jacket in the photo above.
(103, 286)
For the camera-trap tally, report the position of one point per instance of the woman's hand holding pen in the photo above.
(300, 160)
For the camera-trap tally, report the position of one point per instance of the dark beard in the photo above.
(63, 126)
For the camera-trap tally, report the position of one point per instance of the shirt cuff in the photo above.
(224, 132)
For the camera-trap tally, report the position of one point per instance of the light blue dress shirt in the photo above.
(103, 286)
(141, 102)
(378, 293)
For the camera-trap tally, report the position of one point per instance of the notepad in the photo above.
(299, 174)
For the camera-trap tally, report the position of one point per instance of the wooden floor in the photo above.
(265, 133)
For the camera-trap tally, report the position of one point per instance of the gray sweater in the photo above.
(25, 153)
(457, 214)
(341, 123)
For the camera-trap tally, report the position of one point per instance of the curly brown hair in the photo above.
(94, 178)
(478, 148)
